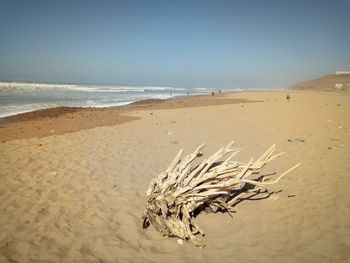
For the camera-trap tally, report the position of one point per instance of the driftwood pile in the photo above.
(189, 187)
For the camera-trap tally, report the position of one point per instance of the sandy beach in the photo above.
(73, 182)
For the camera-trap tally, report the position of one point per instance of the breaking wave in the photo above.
(20, 97)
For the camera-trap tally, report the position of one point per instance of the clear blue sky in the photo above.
(221, 44)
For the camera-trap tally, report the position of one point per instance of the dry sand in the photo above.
(79, 196)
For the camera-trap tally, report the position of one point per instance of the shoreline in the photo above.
(142, 101)
(61, 120)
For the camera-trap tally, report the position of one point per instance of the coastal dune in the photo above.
(77, 195)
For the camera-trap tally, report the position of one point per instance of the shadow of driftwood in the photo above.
(235, 198)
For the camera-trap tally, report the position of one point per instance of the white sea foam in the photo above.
(22, 86)
(20, 97)
(17, 109)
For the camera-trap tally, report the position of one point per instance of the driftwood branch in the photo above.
(187, 187)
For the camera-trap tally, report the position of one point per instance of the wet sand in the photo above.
(77, 194)
(61, 120)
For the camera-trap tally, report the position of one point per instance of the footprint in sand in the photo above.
(42, 212)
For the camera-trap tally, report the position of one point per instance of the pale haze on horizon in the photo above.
(222, 44)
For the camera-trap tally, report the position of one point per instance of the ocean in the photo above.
(20, 97)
